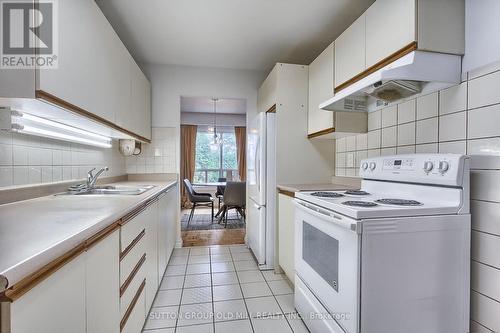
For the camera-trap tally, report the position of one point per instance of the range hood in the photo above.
(418, 72)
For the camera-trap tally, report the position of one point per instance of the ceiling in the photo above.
(240, 34)
(206, 105)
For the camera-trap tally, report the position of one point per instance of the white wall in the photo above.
(200, 118)
(170, 82)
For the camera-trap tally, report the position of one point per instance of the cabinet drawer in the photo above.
(130, 260)
(131, 226)
(129, 289)
(135, 314)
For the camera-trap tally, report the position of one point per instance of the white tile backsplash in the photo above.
(374, 139)
(484, 90)
(406, 134)
(427, 131)
(427, 106)
(484, 122)
(453, 99)
(406, 112)
(374, 120)
(453, 127)
(454, 147)
(160, 155)
(390, 116)
(389, 136)
(362, 142)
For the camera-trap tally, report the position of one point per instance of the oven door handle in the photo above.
(326, 215)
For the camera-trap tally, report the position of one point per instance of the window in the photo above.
(214, 162)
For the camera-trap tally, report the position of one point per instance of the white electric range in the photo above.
(392, 257)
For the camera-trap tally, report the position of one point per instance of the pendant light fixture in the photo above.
(217, 139)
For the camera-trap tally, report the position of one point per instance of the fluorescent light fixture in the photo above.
(33, 125)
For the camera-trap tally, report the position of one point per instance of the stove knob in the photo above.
(443, 167)
(372, 166)
(428, 166)
(364, 166)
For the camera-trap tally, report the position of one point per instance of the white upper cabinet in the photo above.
(350, 50)
(93, 69)
(390, 26)
(321, 80)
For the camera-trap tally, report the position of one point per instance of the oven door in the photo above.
(327, 261)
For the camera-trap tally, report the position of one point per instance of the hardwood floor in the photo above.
(211, 237)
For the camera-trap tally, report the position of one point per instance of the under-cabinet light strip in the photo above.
(57, 135)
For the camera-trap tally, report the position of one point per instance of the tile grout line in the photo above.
(241, 289)
(284, 314)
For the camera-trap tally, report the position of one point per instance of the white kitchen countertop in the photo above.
(35, 232)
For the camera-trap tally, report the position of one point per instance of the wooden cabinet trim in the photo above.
(131, 245)
(272, 109)
(132, 275)
(101, 235)
(287, 193)
(130, 308)
(384, 62)
(49, 98)
(322, 132)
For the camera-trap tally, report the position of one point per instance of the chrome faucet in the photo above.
(92, 179)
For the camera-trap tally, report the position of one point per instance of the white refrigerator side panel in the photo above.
(256, 170)
(256, 230)
(271, 193)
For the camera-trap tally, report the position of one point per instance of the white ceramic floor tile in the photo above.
(230, 310)
(220, 267)
(263, 306)
(275, 324)
(181, 260)
(224, 257)
(198, 251)
(180, 252)
(239, 249)
(172, 282)
(162, 317)
(202, 259)
(271, 276)
(247, 265)
(280, 287)
(204, 328)
(219, 279)
(167, 298)
(250, 276)
(239, 326)
(175, 270)
(195, 314)
(286, 303)
(256, 289)
(196, 295)
(198, 280)
(198, 269)
(296, 323)
(219, 250)
(160, 330)
(240, 256)
(227, 292)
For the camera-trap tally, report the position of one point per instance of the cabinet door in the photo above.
(286, 220)
(173, 226)
(350, 51)
(321, 84)
(140, 92)
(163, 235)
(93, 69)
(390, 26)
(151, 264)
(57, 304)
(103, 285)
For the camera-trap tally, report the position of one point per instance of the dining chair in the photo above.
(234, 198)
(198, 199)
(219, 194)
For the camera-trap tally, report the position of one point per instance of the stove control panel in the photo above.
(445, 169)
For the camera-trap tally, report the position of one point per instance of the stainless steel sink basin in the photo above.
(116, 190)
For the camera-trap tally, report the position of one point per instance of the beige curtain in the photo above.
(188, 158)
(241, 144)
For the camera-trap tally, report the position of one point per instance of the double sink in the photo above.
(111, 189)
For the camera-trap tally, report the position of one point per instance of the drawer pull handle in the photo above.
(132, 275)
(131, 245)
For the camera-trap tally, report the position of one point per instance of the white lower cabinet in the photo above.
(135, 321)
(151, 241)
(103, 285)
(286, 235)
(57, 304)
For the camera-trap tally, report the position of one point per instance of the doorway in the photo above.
(213, 160)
